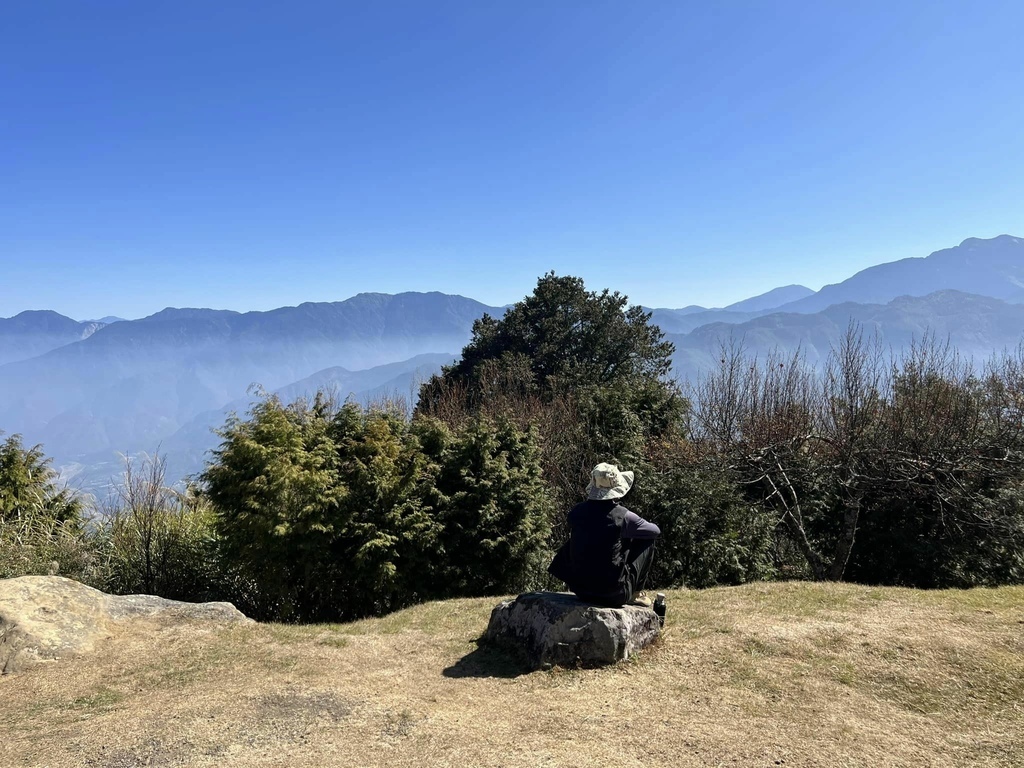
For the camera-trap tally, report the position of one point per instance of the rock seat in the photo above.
(50, 617)
(549, 628)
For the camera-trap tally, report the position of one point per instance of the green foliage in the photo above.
(563, 341)
(156, 540)
(29, 487)
(710, 534)
(274, 486)
(41, 526)
(584, 371)
(385, 534)
(571, 336)
(492, 504)
(338, 513)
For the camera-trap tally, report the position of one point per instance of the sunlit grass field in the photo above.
(790, 674)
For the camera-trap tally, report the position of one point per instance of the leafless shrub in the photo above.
(868, 425)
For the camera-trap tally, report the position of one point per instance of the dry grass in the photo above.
(761, 675)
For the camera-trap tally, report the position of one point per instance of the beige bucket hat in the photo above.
(608, 482)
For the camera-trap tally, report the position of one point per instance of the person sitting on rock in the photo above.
(610, 549)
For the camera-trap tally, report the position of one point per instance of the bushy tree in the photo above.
(333, 513)
(492, 504)
(385, 531)
(710, 533)
(29, 486)
(588, 371)
(274, 486)
(41, 524)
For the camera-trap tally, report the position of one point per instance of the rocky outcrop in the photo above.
(49, 617)
(549, 628)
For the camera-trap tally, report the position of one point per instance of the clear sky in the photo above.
(248, 155)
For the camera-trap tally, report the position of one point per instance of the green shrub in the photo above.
(492, 505)
(41, 524)
(331, 513)
(153, 539)
(709, 533)
(29, 487)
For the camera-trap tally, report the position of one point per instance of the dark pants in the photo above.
(639, 559)
(638, 564)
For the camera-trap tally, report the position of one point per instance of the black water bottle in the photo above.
(659, 607)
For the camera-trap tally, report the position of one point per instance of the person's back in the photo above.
(595, 547)
(610, 548)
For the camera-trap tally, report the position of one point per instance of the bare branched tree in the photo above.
(923, 425)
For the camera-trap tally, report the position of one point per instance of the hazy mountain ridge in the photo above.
(772, 299)
(166, 379)
(671, 321)
(978, 326)
(133, 384)
(689, 318)
(36, 332)
(992, 267)
(107, 320)
(986, 267)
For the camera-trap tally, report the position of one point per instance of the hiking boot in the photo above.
(641, 599)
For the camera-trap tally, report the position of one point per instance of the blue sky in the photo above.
(253, 155)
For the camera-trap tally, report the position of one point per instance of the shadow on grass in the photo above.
(486, 661)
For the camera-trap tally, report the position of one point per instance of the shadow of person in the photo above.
(486, 661)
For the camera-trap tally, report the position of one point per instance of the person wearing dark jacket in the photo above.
(610, 549)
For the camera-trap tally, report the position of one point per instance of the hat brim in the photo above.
(617, 492)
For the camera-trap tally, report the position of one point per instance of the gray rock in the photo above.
(549, 628)
(50, 617)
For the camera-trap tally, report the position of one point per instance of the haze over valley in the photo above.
(91, 391)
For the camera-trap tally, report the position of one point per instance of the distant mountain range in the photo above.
(89, 390)
(130, 385)
(978, 326)
(36, 332)
(776, 297)
(992, 267)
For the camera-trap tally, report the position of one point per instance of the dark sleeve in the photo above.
(561, 566)
(636, 527)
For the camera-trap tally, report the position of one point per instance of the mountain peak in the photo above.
(974, 242)
(187, 313)
(37, 331)
(984, 266)
(772, 299)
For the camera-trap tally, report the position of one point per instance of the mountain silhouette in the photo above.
(993, 267)
(36, 332)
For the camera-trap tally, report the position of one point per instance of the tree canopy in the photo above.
(569, 337)
(588, 368)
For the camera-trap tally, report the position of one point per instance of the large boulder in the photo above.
(549, 628)
(50, 617)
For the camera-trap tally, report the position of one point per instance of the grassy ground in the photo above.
(760, 675)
